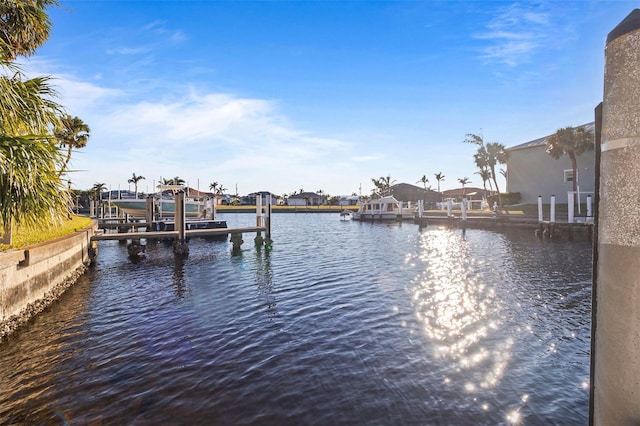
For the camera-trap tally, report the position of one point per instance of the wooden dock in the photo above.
(180, 230)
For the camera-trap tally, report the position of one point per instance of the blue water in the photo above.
(341, 323)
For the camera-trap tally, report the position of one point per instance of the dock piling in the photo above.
(615, 382)
(180, 246)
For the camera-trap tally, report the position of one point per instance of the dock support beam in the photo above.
(180, 246)
(150, 213)
(615, 355)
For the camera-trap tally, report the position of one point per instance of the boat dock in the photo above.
(180, 230)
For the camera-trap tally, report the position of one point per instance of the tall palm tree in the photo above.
(488, 156)
(463, 181)
(439, 177)
(424, 181)
(485, 176)
(134, 180)
(71, 133)
(31, 189)
(497, 154)
(573, 142)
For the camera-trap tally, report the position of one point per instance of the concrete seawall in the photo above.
(33, 277)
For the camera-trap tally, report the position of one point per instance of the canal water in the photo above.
(341, 323)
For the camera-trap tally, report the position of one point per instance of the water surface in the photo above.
(341, 323)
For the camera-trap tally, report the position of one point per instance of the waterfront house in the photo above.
(348, 200)
(306, 199)
(406, 192)
(250, 200)
(533, 172)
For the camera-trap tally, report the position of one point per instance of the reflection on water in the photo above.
(342, 323)
(456, 302)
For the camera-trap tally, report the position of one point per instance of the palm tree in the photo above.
(424, 181)
(134, 180)
(463, 181)
(173, 181)
(383, 184)
(488, 156)
(439, 177)
(573, 142)
(24, 27)
(485, 176)
(98, 188)
(31, 189)
(71, 133)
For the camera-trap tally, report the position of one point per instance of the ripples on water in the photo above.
(342, 323)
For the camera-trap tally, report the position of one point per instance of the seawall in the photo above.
(33, 277)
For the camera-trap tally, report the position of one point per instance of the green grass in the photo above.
(24, 237)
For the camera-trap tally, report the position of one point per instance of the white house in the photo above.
(532, 172)
(306, 199)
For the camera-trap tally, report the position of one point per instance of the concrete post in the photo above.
(552, 209)
(616, 350)
(540, 215)
(449, 207)
(258, 210)
(464, 209)
(570, 206)
(589, 208)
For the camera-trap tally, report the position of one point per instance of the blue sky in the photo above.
(289, 95)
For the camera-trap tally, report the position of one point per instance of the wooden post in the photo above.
(268, 241)
(150, 211)
(180, 246)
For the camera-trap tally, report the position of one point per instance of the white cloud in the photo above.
(195, 135)
(517, 33)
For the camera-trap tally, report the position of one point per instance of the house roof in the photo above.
(305, 194)
(408, 186)
(195, 193)
(543, 140)
(467, 190)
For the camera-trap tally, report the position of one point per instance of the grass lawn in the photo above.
(25, 237)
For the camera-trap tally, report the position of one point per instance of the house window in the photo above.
(568, 175)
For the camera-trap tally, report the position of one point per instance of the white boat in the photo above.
(385, 208)
(138, 207)
(165, 204)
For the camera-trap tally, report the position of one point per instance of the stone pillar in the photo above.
(616, 347)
